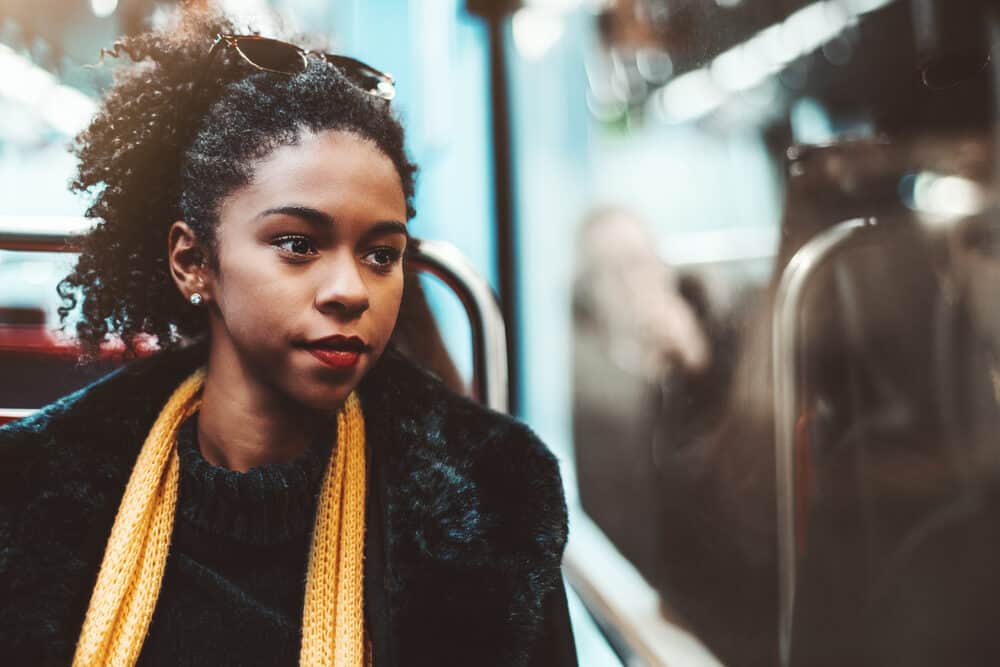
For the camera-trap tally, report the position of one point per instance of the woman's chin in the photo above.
(324, 398)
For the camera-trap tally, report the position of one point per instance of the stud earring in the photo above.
(196, 299)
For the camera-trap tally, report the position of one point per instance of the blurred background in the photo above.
(746, 251)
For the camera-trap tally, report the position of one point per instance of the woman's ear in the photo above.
(188, 262)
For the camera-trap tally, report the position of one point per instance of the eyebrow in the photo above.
(318, 218)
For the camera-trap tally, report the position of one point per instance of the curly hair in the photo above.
(170, 141)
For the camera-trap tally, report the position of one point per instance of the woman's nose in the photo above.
(343, 290)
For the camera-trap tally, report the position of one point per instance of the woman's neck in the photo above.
(243, 424)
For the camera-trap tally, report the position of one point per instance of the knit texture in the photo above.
(131, 572)
(233, 589)
(333, 618)
(128, 582)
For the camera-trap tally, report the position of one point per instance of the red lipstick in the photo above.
(340, 359)
(340, 352)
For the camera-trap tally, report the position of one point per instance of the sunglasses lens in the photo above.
(272, 55)
(364, 77)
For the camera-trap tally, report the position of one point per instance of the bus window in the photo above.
(775, 227)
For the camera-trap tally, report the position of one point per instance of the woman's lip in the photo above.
(339, 359)
(338, 341)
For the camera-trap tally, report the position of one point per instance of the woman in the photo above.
(276, 485)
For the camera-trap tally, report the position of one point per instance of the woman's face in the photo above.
(310, 276)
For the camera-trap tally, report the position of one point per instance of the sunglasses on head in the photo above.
(273, 55)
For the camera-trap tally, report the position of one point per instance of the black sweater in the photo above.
(234, 581)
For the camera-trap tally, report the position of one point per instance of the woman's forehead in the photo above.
(328, 154)
(332, 171)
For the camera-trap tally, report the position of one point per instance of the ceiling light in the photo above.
(103, 8)
(536, 31)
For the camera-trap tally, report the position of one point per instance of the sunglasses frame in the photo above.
(386, 88)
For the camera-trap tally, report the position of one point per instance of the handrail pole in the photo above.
(795, 280)
(489, 334)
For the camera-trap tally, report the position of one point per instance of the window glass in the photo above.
(780, 418)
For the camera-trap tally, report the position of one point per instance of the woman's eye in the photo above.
(383, 258)
(296, 245)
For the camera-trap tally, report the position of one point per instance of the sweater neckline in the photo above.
(267, 505)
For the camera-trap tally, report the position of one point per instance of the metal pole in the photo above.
(795, 280)
(42, 234)
(489, 335)
(503, 190)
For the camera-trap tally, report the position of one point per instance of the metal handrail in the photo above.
(636, 622)
(42, 234)
(786, 337)
(795, 280)
(13, 414)
(489, 334)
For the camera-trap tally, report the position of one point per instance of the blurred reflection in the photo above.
(627, 296)
(897, 415)
(651, 365)
(894, 407)
(632, 329)
(899, 567)
(895, 419)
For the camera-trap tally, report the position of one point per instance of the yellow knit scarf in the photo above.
(122, 603)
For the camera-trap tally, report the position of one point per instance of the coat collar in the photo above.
(472, 511)
(475, 520)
